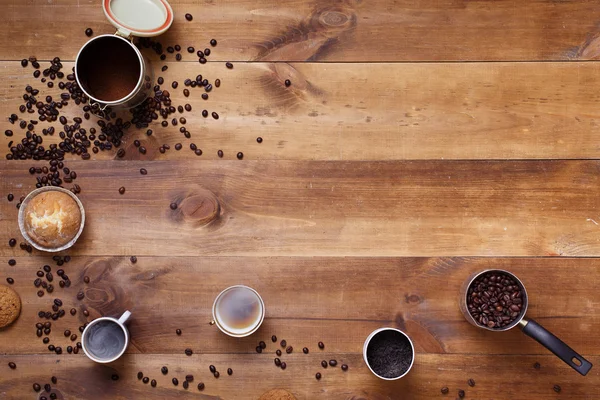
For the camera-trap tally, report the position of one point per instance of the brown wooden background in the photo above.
(420, 141)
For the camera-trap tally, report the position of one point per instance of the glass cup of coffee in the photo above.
(389, 353)
(105, 339)
(238, 311)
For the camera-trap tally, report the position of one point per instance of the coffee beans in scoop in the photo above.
(495, 300)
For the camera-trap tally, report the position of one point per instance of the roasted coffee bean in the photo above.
(445, 390)
(12, 365)
(80, 295)
(461, 393)
(37, 387)
(40, 293)
(10, 281)
(240, 155)
(174, 207)
(212, 368)
(54, 380)
(289, 349)
(229, 371)
(12, 242)
(198, 152)
(215, 115)
(188, 107)
(122, 190)
(164, 370)
(178, 57)
(537, 365)
(186, 384)
(186, 92)
(204, 113)
(333, 363)
(283, 343)
(213, 42)
(259, 349)
(47, 268)
(321, 345)
(145, 379)
(58, 302)
(262, 344)
(229, 65)
(305, 350)
(202, 60)
(178, 146)
(86, 313)
(216, 374)
(39, 333)
(283, 365)
(201, 386)
(277, 362)
(73, 337)
(140, 375)
(89, 32)
(188, 352)
(153, 383)
(204, 96)
(273, 338)
(12, 262)
(178, 331)
(557, 388)
(344, 367)
(47, 388)
(471, 382)
(287, 83)
(46, 340)
(86, 279)
(318, 375)
(278, 352)
(189, 378)
(259, 139)
(189, 17)
(67, 333)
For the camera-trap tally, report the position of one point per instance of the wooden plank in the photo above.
(364, 111)
(419, 208)
(506, 376)
(339, 301)
(324, 30)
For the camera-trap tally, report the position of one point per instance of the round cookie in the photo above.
(10, 306)
(277, 394)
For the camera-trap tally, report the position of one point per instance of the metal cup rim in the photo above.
(222, 328)
(366, 345)
(94, 322)
(21, 218)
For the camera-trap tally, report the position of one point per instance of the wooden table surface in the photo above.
(419, 142)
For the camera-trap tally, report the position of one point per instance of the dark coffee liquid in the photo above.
(105, 340)
(108, 68)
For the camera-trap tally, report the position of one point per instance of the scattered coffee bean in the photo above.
(122, 190)
(277, 362)
(445, 390)
(333, 363)
(47, 388)
(557, 388)
(37, 387)
(12, 242)
(12, 262)
(153, 383)
(318, 375)
(189, 17)
(344, 367)
(289, 349)
(537, 365)
(229, 65)
(471, 382)
(212, 368)
(40, 293)
(178, 331)
(273, 338)
(324, 364)
(67, 333)
(321, 345)
(240, 155)
(201, 386)
(283, 365)
(89, 32)
(146, 380)
(461, 393)
(259, 349)
(189, 378)
(220, 154)
(259, 139)
(204, 113)
(10, 281)
(287, 83)
(188, 352)
(80, 295)
(133, 259)
(143, 171)
(12, 365)
(262, 344)
(215, 115)
(305, 350)
(229, 371)
(283, 343)
(213, 42)
(216, 374)
(140, 375)
(186, 384)
(164, 370)
(278, 352)
(175, 381)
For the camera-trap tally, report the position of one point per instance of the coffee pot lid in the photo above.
(139, 17)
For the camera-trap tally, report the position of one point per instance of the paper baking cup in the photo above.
(22, 218)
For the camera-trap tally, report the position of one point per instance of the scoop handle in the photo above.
(557, 346)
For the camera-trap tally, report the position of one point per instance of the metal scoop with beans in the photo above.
(496, 300)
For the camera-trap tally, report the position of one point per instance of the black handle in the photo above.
(557, 346)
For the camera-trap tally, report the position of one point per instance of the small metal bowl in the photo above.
(22, 218)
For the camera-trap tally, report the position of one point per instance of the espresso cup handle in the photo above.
(124, 317)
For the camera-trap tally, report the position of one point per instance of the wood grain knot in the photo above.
(412, 299)
(104, 295)
(197, 208)
(333, 18)
(589, 49)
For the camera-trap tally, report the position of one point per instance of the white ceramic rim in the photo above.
(238, 335)
(94, 322)
(21, 218)
(375, 332)
(141, 78)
